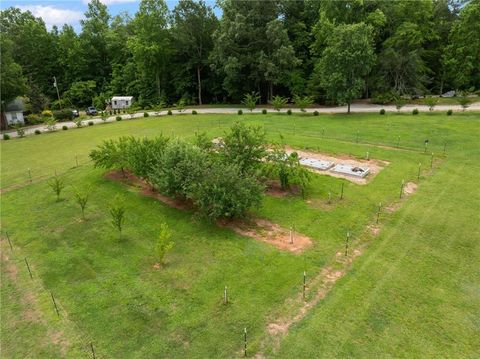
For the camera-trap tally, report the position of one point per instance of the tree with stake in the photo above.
(278, 102)
(164, 244)
(116, 209)
(250, 100)
(401, 188)
(346, 243)
(57, 184)
(81, 197)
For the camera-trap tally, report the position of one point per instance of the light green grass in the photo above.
(115, 298)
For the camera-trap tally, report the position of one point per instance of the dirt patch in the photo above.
(271, 233)
(374, 229)
(410, 188)
(274, 189)
(375, 166)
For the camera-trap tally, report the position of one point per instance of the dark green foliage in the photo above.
(63, 115)
(302, 102)
(38, 132)
(316, 113)
(194, 112)
(383, 98)
(264, 111)
(145, 114)
(20, 130)
(244, 145)
(415, 111)
(289, 112)
(90, 123)
(81, 197)
(6, 136)
(203, 142)
(65, 128)
(464, 101)
(449, 113)
(112, 154)
(382, 111)
(240, 112)
(278, 102)
(169, 112)
(224, 192)
(250, 100)
(144, 154)
(33, 119)
(431, 102)
(118, 118)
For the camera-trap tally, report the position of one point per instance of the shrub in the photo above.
(224, 192)
(118, 118)
(81, 197)
(316, 113)
(383, 98)
(169, 112)
(244, 145)
(463, 101)
(78, 122)
(180, 105)
(278, 102)
(240, 112)
(194, 112)
(33, 119)
(250, 100)
(57, 184)
(20, 130)
(399, 103)
(178, 168)
(382, 111)
(6, 136)
(51, 124)
(103, 116)
(64, 128)
(63, 115)
(112, 154)
(38, 132)
(415, 111)
(431, 102)
(449, 113)
(164, 244)
(47, 113)
(289, 112)
(90, 123)
(142, 155)
(302, 102)
(116, 208)
(145, 114)
(264, 111)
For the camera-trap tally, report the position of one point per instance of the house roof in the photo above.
(16, 105)
(122, 98)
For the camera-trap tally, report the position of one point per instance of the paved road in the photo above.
(356, 108)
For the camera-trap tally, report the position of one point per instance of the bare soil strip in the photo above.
(375, 166)
(256, 228)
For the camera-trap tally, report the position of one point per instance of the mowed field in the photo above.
(413, 289)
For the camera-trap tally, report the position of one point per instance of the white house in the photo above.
(121, 102)
(14, 112)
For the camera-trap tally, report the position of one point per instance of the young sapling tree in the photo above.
(302, 102)
(116, 208)
(250, 100)
(57, 184)
(164, 243)
(279, 102)
(81, 197)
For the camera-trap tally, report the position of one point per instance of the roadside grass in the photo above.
(115, 298)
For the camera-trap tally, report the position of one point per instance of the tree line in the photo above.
(332, 51)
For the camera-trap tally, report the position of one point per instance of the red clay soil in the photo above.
(274, 189)
(258, 229)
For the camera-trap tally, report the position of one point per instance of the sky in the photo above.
(58, 12)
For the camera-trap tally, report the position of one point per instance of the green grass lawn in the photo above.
(413, 293)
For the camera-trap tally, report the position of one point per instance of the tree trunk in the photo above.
(270, 95)
(157, 77)
(348, 108)
(3, 122)
(199, 86)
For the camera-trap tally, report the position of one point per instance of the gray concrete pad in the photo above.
(316, 164)
(350, 170)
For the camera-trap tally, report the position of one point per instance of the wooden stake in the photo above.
(304, 283)
(419, 170)
(368, 156)
(341, 194)
(28, 267)
(245, 342)
(346, 243)
(55, 305)
(76, 159)
(225, 296)
(9, 242)
(291, 236)
(425, 149)
(30, 175)
(398, 141)
(329, 197)
(93, 350)
(445, 147)
(431, 161)
(323, 132)
(378, 211)
(401, 188)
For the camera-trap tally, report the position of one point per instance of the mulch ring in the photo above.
(256, 228)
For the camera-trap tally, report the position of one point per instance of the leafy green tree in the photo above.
(431, 102)
(57, 184)
(223, 191)
(279, 102)
(302, 102)
(144, 154)
(164, 243)
(464, 101)
(194, 24)
(250, 100)
(399, 103)
(81, 93)
(117, 210)
(244, 145)
(345, 62)
(81, 197)
(112, 154)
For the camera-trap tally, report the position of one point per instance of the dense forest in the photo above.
(334, 51)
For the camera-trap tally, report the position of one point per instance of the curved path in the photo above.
(355, 108)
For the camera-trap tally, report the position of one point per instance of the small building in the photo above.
(14, 112)
(121, 102)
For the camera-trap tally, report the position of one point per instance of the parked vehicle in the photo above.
(75, 113)
(92, 111)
